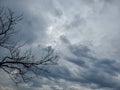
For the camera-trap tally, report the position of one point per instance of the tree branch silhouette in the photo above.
(17, 64)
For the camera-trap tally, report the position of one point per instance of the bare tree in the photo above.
(19, 65)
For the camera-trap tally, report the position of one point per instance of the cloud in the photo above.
(86, 69)
(86, 35)
(6, 88)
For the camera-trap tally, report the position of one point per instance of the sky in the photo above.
(84, 33)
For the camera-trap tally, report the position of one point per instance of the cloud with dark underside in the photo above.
(91, 70)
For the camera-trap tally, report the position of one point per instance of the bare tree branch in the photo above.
(18, 64)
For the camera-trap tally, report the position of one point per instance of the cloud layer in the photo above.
(86, 35)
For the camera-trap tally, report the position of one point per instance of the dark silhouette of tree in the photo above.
(20, 66)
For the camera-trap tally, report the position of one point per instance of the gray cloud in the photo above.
(101, 72)
(86, 35)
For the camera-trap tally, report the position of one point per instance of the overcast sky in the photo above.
(86, 35)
